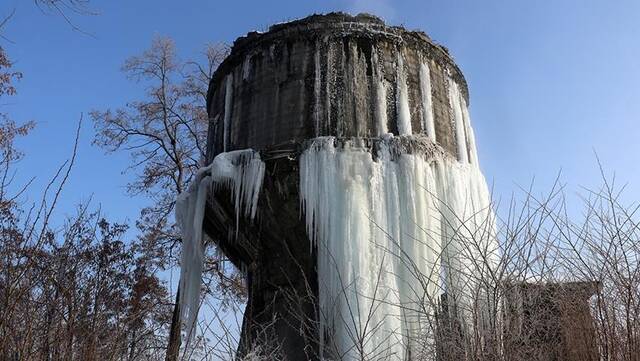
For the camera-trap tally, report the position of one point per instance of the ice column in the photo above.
(471, 138)
(459, 123)
(402, 100)
(380, 103)
(242, 173)
(427, 108)
(228, 103)
(317, 88)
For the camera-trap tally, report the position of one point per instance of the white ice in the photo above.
(402, 100)
(317, 84)
(241, 172)
(392, 234)
(428, 124)
(456, 105)
(380, 104)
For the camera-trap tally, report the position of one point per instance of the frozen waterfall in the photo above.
(394, 229)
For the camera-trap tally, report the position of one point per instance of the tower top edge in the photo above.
(337, 25)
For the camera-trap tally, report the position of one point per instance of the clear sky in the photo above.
(550, 81)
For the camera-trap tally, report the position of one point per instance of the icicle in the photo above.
(246, 68)
(330, 79)
(402, 100)
(228, 103)
(374, 223)
(471, 138)
(428, 124)
(380, 94)
(241, 171)
(317, 84)
(461, 140)
(189, 217)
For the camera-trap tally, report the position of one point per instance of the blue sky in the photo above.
(551, 81)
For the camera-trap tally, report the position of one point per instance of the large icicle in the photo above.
(402, 100)
(317, 90)
(380, 104)
(428, 124)
(471, 138)
(383, 227)
(242, 173)
(228, 103)
(458, 119)
(189, 217)
(246, 68)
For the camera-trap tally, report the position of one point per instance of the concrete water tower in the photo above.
(357, 152)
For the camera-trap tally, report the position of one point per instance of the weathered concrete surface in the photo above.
(550, 321)
(315, 77)
(275, 253)
(312, 77)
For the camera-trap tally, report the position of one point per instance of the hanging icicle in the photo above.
(242, 173)
(228, 105)
(458, 120)
(428, 124)
(402, 100)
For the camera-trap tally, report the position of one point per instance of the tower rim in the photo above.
(336, 24)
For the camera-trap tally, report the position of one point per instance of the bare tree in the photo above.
(81, 292)
(165, 134)
(66, 9)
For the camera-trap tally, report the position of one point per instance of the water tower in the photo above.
(343, 164)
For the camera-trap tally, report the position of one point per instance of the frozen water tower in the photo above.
(342, 164)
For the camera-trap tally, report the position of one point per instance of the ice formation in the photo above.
(402, 100)
(246, 68)
(317, 84)
(396, 221)
(228, 98)
(455, 99)
(380, 103)
(392, 228)
(428, 123)
(242, 173)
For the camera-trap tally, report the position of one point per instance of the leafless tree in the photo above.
(165, 134)
(74, 292)
(66, 9)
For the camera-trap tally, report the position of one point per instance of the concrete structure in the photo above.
(550, 321)
(317, 76)
(353, 79)
(324, 75)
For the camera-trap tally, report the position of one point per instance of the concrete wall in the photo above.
(318, 76)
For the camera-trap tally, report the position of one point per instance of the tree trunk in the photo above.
(173, 349)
